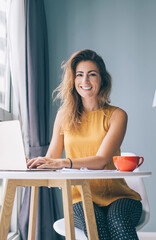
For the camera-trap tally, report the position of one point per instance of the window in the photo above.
(2, 51)
(5, 94)
(4, 66)
(8, 103)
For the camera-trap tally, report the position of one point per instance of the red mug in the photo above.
(127, 163)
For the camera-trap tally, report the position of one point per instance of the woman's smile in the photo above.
(86, 88)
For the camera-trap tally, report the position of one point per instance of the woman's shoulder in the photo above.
(59, 118)
(111, 109)
(59, 114)
(108, 110)
(114, 112)
(118, 114)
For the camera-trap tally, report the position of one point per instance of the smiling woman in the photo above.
(91, 131)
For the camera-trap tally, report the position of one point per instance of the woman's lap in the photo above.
(116, 221)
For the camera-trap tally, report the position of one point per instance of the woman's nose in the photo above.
(85, 78)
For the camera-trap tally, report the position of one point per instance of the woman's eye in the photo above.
(92, 74)
(79, 75)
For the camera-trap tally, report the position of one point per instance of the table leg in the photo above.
(68, 210)
(33, 213)
(6, 210)
(88, 210)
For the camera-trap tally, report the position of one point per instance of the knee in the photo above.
(117, 219)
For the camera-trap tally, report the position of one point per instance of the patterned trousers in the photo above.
(115, 221)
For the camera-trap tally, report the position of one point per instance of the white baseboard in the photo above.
(147, 235)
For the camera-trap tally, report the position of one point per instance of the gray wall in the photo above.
(123, 32)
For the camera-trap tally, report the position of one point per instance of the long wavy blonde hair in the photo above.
(71, 104)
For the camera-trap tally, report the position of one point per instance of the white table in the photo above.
(60, 178)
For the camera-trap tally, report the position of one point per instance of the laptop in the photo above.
(12, 154)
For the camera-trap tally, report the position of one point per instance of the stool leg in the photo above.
(88, 210)
(68, 210)
(33, 213)
(6, 210)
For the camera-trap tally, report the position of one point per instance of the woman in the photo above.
(91, 131)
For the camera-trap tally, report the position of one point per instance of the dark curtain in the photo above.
(38, 113)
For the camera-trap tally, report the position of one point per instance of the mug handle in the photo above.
(142, 160)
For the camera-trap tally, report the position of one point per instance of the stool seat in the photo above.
(59, 227)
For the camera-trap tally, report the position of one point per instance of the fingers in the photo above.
(35, 162)
(43, 166)
(44, 162)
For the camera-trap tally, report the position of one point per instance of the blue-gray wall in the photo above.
(123, 32)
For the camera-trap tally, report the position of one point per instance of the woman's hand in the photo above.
(44, 163)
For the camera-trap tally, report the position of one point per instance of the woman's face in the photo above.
(87, 80)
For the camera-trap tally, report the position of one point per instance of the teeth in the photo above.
(86, 88)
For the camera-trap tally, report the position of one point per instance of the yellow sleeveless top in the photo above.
(86, 142)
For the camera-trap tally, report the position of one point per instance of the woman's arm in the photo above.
(56, 146)
(109, 146)
(55, 149)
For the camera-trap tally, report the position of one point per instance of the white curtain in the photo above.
(17, 58)
(4, 66)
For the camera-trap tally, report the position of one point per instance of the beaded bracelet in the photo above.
(71, 164)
